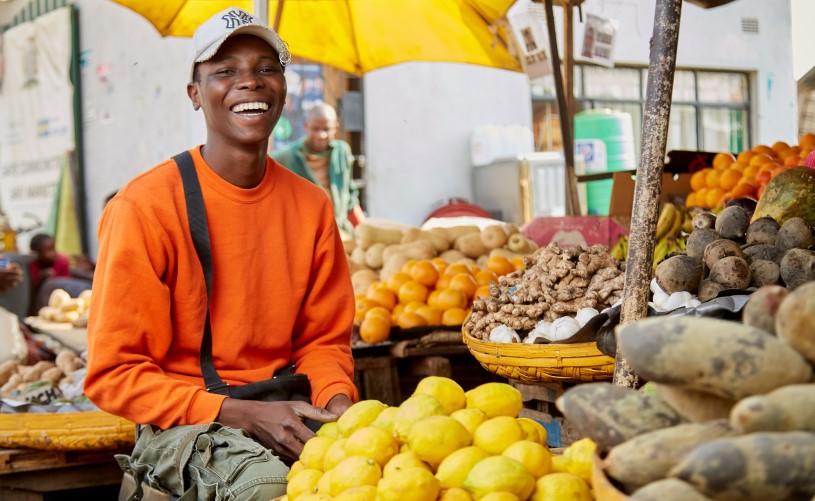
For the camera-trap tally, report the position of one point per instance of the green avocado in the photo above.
(789, 194)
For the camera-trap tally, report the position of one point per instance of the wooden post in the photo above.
(568, 56)
(261, 10)
(648, 187)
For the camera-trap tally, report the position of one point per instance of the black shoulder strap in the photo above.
(197, 218)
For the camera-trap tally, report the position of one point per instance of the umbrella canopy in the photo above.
(358, 36)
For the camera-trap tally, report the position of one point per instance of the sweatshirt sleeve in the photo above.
(321, 346)
(131, 328)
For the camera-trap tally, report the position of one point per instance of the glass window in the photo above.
(722, 87)
(684, 85)
(724, 129)
(612, 83)
(682, 128)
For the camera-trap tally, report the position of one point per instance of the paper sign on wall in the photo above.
(598, 40)
(529, 29)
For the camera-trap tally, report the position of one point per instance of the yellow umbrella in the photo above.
(358, 36)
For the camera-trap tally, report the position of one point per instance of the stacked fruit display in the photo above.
(441, 443)
(745, 174)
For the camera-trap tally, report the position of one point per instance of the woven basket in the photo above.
(69, 431)
(542, 363)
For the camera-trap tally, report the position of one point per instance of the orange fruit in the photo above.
(737, 166)
(713, 178)
(374, 329)
(729, 179)
(518, 263)
(745, 156)
(763, 148)
(413, 306)
(397, 280)
(743, 189)
(482, 291)
(425, 273)
(408, 265)
(690, 200)
(807, 141)
(457, 268)
(499, 265)
(701, 198)
(760, 191)
(383, 296)
(412, 291)
(361, 307)
(474, 268)
(432, 298)
(789, 152)
(451, 298)
(714, 198)
(750, 171)
(454, 316)
(379, 311)
(778, 170)
(444, 281)
(464, 283)
(723, 160)
(697, 180)
(779, 146)
(440, 264)
(793, 161)
(484, 277)
(408, 320)
(431, 315)
(763, 177)
(761, 159)
(397, 310)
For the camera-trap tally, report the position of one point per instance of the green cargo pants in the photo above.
(204, 462)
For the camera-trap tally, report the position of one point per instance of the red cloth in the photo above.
(62, 268)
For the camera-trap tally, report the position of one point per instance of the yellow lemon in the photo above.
(414, 484)
(455, 494)
(413, 410)
(354, 471)
(535, 457)
(535, 431)
(305, 482)
(561, 486)
(329, 430)
(443, 389)
(361, 493)
(435, 437)
(500, 496)
(405, 448)
(296, 467)
(314, 451)
(454, 469)
(496, 434)
(373, 443)
(384, 420)
(560, 463)
(499, 474)
(358, 415)
(470, 418)
(314, 497)
(334, 454)
(580, 455)
(402, 461)
(495, 399)
(324, 484)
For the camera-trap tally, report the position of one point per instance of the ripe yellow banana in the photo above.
(620, 249)
(660, 251)
(667, 219)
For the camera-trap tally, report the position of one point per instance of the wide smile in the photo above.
(250, 109)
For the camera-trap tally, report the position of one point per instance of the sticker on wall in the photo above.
(103, 71)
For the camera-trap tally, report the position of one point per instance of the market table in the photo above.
(75, 338)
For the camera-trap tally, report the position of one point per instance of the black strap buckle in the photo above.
(219, 388)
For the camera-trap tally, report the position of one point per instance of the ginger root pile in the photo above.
(556, 283)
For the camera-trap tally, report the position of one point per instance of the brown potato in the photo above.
(795, 320)
(790, 408)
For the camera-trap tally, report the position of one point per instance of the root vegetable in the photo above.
(471, 245)
(762, 307)
(53, 374)
(363, 279)
(669, 489)
(698, 240)
(765, 252)
(732, 222)
(393, 264)
(762, 231)
(520, 244)
(715, 356)
(709, 290)
(454, 232)
(358, 256)
(367, 235)
(7, 369)
(720, 249)
(797, 267)
(764, 273)
(505, 253)
(12, 383)
(695, 406)
(373, 256)
(33, 372)
(679, 273)
(494, 237)
(795, 233)
(452, 255)
(731, 273)
(68, 362)
(439, 241)
(704, 220)
(791, 408)
(795, 320)
(418, 249)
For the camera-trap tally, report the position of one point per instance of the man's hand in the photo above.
(338, 404)
(10, 276)
(277, 425)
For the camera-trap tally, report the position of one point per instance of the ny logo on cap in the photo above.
(235, 18)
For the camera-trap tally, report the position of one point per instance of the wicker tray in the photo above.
(546, 363)
(95, 430)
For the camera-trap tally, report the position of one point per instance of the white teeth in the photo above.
(250, 106)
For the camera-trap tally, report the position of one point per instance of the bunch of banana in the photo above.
(670, 222)
(666, 247)
(620, 249)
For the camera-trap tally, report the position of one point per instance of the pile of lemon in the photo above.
(441, 443)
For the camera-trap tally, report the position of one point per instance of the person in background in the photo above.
(50, 270)
(10, 274)
(326, 162)
(281, 290)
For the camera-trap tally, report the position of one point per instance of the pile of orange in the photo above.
(426, 292)
(746, 174)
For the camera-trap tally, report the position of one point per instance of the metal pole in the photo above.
(572, 202)
(261, 10)
(648, 187)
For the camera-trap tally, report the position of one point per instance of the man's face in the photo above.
(241, 90)
(47, 253)
(319, 132)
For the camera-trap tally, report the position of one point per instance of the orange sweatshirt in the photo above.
(281, 292)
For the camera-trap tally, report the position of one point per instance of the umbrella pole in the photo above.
(648, 187)
(261, 10)
(572, 202)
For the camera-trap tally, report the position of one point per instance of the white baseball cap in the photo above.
(209, 37)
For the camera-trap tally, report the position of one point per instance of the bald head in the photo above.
(322, 111)
(321, 127)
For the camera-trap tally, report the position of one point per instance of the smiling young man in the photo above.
(281, 291)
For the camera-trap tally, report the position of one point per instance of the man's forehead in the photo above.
(235, 47)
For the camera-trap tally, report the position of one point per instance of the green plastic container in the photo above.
(605, 138)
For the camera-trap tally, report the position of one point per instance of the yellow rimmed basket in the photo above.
(65, 431)
(541, 363)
